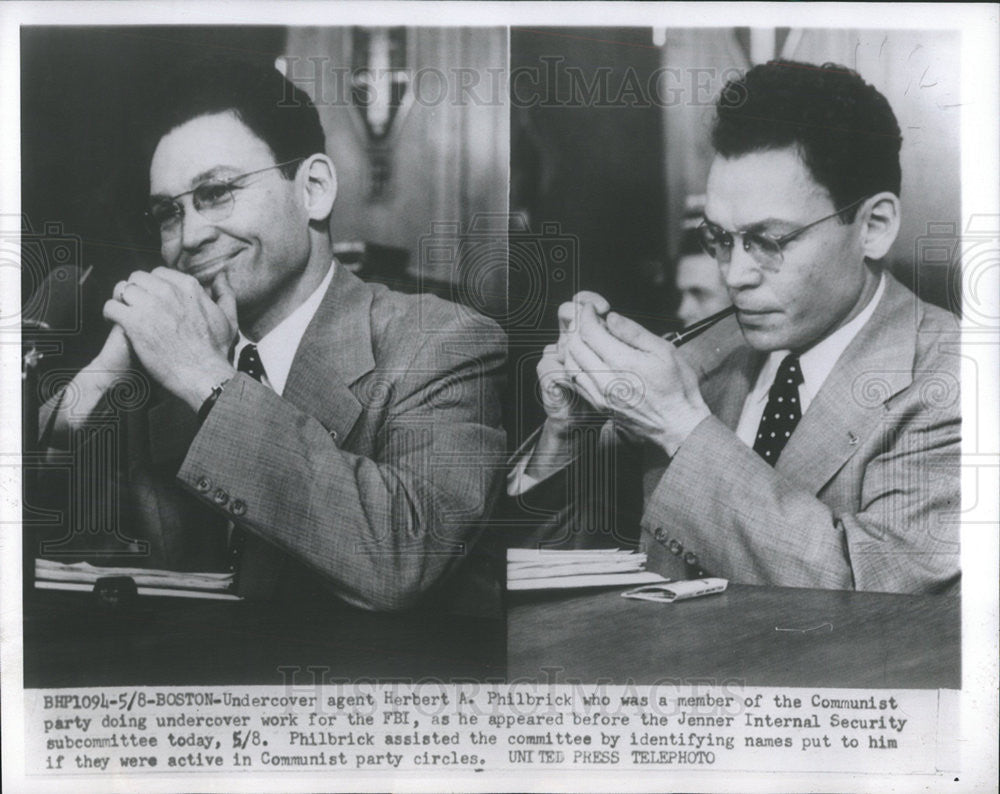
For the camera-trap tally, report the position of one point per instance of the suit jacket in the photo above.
(864, 496)
(371, 476)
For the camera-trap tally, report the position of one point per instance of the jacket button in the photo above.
(204, 484)
(691, 558)
(238, 507)
(220, 497)
(660, 534)
(675, 546)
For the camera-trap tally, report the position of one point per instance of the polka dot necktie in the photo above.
(782, 413)
(251, 364)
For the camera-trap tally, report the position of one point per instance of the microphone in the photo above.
(54, 306)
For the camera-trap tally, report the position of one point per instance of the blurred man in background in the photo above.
(699, 282)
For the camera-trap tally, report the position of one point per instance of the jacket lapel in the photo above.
(726, 388)
(727, 368)
(336, 350)
(876, 365)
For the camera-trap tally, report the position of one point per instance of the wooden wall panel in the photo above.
(449, 156)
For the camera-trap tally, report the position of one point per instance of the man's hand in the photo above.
(620, 367)
(563, 406)
(88, 387)
(115, 358)
(178, 332)
(559, 398)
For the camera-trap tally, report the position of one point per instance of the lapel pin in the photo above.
(852, 439)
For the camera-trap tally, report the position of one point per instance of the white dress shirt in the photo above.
(278, 346)
(815, 364)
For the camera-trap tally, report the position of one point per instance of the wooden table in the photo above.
(839, 639)
(69, 641)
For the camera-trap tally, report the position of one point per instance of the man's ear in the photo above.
(880, 224)
(319, 186)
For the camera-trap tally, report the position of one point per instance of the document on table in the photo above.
(534, 569)
(51, 575)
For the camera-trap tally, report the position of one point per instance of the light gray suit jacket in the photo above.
(864, 496)
(373, 475)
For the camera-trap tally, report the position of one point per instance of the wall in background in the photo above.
(585, 181)
(449, 153)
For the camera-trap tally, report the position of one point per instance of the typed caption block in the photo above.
(478, 727)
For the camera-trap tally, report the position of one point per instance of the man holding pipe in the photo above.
(812, 439)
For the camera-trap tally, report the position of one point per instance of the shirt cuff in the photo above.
(518, 479)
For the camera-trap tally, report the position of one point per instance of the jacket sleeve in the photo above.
(750, 523)
(386, 528)
(592, 502)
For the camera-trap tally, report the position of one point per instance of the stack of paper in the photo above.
(533, 569)
(50, 575)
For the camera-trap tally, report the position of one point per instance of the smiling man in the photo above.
(303, 425)
(813, 439)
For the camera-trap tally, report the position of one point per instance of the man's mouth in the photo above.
(755, 317)
(754, 312)
(205, 269)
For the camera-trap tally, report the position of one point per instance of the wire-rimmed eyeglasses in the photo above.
(212, 199)
(766, 250)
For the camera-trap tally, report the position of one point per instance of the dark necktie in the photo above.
(782, 413)
(251, 364)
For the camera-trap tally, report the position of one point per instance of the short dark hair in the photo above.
(843, 128)
(271, 106)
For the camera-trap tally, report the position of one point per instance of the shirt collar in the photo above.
(817, 362)
(278, 346)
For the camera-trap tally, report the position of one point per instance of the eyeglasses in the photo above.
(767, 251)
(213, 200)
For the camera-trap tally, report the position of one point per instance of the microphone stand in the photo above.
(31, 357)
(43, 317)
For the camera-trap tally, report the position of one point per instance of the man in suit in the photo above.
(812, 439)
(314, 433)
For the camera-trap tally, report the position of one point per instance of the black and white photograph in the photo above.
(453, 396)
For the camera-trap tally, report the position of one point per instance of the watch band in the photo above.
(210, 401)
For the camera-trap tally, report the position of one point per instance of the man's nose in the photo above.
(741, 271)
(196, 230)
